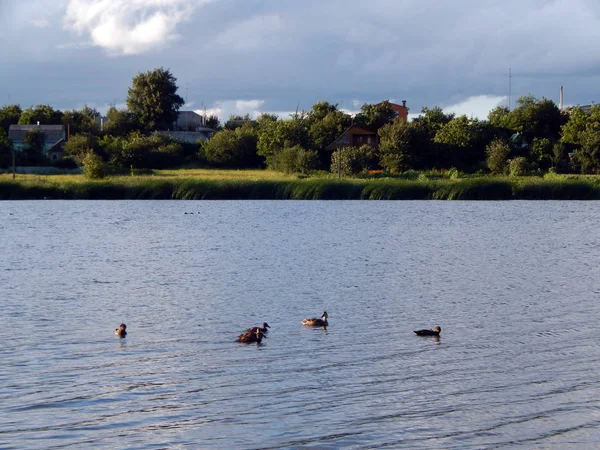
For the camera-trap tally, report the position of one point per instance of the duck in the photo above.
(263, 329)
(121, 331)
(322, 322)
(435, 332)
(249, 338)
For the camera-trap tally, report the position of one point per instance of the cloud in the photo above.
(128, 27)
(477, 106)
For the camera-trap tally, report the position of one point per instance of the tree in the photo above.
(93, 165)
(236, 121)
(153, 99)
(87, 120)
(274, 136)
(213, 122)
(353, 160)
(44, 114)
(294, 159)
(396, 146)
(537, 118)
(233, 148)
(79, 145)
(373, 117)
(33, 154)
(463, 141)
(120, 122)
(9, 115)
(6, 150)
(497, 156)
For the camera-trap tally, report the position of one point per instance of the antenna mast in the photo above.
(509, 86)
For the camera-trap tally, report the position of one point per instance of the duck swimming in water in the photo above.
(322, 322)
(249, 338)
(263, 329)
(121, 331)
(435, 332)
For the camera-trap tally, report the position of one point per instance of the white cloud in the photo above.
(40, 23)
(251, 34)
(477, 106)
(128, 26)
(254, 108)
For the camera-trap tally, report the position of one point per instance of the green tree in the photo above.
(120, 122)
(463, 142)
(213, 122)
(353, 160)
(537, 118)
(86, 120)
(44, 114)
(294, 159)
(153, 99)
(9, 115)
(33, 153)
(373, 117)
(93, 165)
(274, 136)
(233, 148)
(588, 156)
(497, 153)
(236, 121)
(396, 146)
(6, 150)
(79, 145)
(518, 167)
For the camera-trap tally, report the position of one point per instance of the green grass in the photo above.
(196, 184)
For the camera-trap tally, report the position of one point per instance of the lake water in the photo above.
(514, 286)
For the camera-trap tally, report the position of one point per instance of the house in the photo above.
(355, 137)
(54, 137)
(199, 134)
(401, 110)
(189, 121)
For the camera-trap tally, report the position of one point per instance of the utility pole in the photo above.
(13, 161)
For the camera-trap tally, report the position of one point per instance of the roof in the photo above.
(357, 130)
(52, 133)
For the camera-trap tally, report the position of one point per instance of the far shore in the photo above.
(206, 184)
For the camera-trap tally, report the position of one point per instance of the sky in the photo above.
(277, 56)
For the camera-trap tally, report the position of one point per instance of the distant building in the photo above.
(54, 137)
(401, 110)
(355, 137)
(189, 121)
(200, 134)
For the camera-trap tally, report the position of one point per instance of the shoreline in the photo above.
(156, 188)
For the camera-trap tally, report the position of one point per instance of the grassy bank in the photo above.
(232, 185)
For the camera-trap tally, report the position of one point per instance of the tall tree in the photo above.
(9, 115)
(396, 145)
(153, 99)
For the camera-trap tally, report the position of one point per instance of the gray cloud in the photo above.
(284, 54)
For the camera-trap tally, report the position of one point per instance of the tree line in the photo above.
(533, 138)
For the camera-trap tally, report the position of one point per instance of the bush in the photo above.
(497, 156)
(294, 160)
(353, 160)
(518, 167)
(93, 165)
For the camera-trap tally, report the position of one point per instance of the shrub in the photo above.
(353, 160)
(294, 160)
(497, 156)
(518, 167)
(93, 165)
